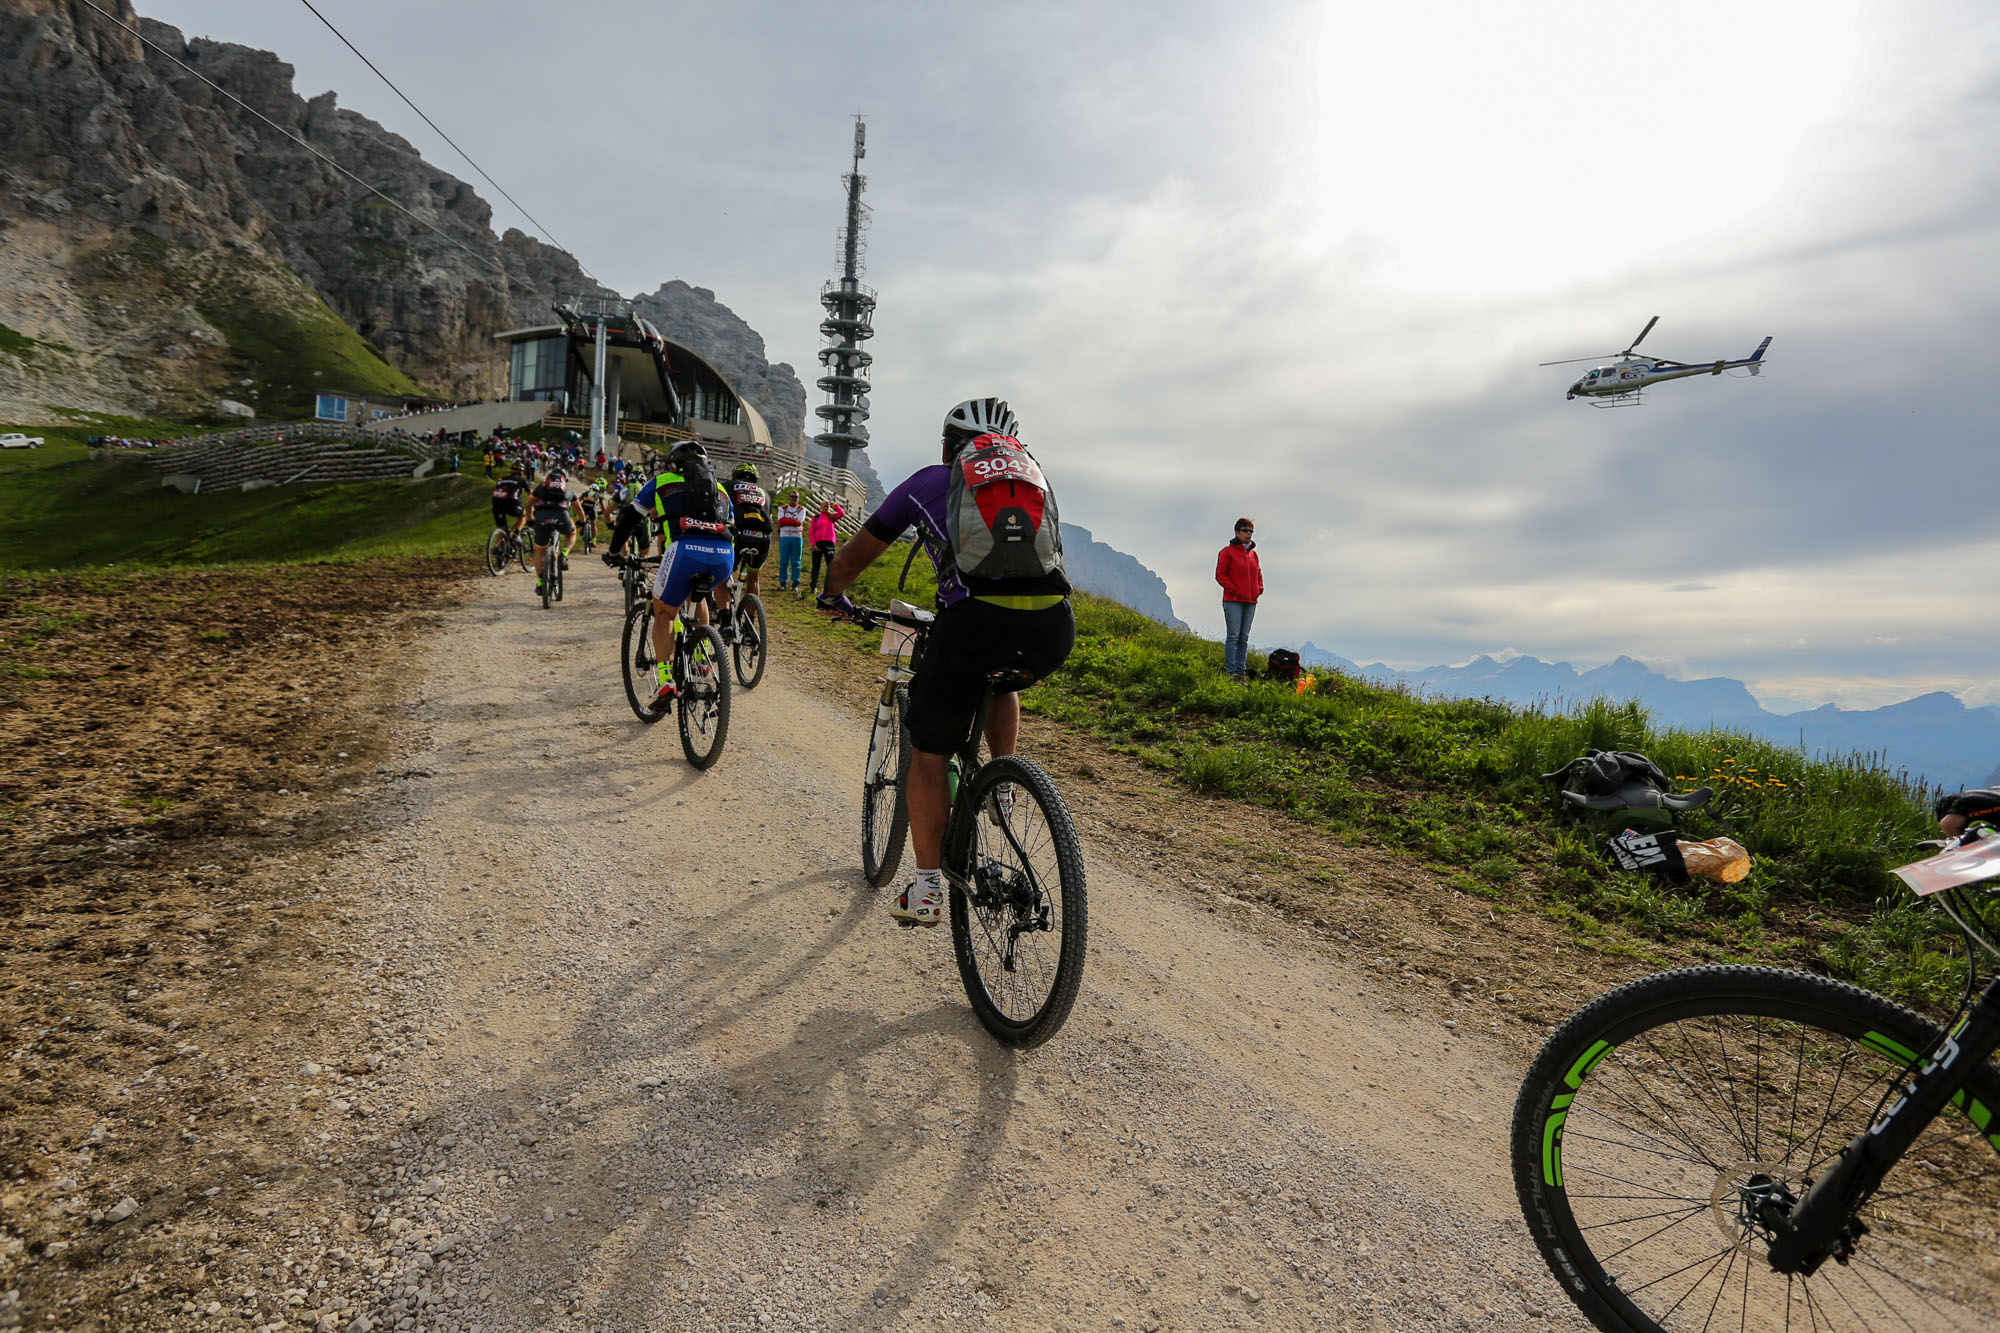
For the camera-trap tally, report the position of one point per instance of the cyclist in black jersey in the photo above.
(555, 504)
(751, 531)
(510, 495)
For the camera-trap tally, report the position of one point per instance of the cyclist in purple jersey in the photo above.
(982, 625)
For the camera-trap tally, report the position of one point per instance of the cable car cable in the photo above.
(422, 222)
(543, 228)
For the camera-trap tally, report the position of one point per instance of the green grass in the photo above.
(18, 344)
(68, 512)
(1457, 783)
(291, 353)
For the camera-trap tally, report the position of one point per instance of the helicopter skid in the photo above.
(1619, 400)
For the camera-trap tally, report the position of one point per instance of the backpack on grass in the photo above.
(1282, 664)
(1000, 515)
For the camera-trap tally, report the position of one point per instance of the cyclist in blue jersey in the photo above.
(694, 516)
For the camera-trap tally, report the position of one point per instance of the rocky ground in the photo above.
(533, 1027)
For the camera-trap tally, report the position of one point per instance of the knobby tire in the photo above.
(636, 648)
(1037, 853)
(707, 711)
(750, 614)
(885, 810)
(1655, 1119)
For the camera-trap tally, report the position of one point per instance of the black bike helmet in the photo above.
(687, 451)
(744, 472)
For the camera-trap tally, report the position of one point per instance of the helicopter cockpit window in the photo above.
(1594, 374)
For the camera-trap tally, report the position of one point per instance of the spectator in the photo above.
(823, 535)
(791, 540)
(1242, 578)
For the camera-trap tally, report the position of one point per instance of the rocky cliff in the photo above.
(164, 245)
(1109, 572)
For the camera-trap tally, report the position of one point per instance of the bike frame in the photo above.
(1822, 1224)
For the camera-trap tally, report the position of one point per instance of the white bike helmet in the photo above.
(977, 416)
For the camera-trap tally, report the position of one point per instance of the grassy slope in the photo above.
(1457, 783)
(67, 512)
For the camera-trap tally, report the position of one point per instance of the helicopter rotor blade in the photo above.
(1642, 334)
(1570, 361)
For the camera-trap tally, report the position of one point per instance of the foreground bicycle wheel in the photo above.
(1020, 924)
(885, 812)
(636, 653)
(704, 702)
(753, 639)
(497, 552)
(1660, 1124)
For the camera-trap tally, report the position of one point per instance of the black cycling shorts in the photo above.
(970, 639)
(752, 549)
(547, 527)
(502, 511)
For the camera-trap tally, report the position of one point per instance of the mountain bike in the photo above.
(552, 567)
(504, 545)
(753, 634)
(1749, 1148)
(1012, 860)
(587, 535)
(699, 670)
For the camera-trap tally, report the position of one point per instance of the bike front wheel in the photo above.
(524, 553)
(1664, 1125)
(704, 702)
(885, 811)
(1019, 922)
(639, 663)
(753, 638)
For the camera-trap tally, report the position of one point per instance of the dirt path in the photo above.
(647, 1053)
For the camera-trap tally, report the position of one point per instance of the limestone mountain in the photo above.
(162, 246)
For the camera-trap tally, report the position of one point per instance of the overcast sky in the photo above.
(1299, 261)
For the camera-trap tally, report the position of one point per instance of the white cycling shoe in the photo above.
(918, 906)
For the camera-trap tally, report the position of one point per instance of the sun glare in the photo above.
(1497, 148)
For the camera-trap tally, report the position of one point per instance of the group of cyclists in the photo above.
(704, 526)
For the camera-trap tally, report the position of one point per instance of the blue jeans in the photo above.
(1236, 618)
(791, 551)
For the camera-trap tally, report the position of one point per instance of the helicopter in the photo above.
(1619, 384)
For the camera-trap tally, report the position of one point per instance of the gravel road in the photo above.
(651, 1055)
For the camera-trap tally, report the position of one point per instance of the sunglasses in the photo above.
(1246, 529)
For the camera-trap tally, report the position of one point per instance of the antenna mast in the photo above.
(849, 322)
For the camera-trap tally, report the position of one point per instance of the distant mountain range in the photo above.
(1934, 736)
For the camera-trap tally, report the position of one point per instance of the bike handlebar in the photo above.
(871, 616)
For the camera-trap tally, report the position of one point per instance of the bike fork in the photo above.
(1822, 1225)
(885, 741)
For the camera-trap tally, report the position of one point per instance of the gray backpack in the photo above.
(1000, 515)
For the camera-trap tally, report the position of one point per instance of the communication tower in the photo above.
(849, 322)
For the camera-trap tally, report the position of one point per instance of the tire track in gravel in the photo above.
(665, 1062)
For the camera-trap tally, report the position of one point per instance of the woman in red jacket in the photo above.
(1242, 580)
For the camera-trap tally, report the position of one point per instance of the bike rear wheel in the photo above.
(496, 552)
(1659, 1122)
(546, 565)
(639, 663)
(704, 701)
(885, 810)
(1019, 921)
(753, 638)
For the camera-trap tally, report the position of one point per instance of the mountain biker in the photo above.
(694, 514)
(509, 495)
(752, 527)
(554, 505)
(1961, 808)
(983, 624)
(587, 504)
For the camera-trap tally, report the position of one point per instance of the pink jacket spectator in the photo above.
(822, 529)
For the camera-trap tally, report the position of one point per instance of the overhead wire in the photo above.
(420, 221)
(521, 208)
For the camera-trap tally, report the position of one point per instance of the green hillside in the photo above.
(67, 511)
(1457, 784)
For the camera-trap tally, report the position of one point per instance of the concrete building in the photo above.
(655, 389)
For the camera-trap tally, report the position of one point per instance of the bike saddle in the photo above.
(700, 584)
(1641, 796)
(1007, 679)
